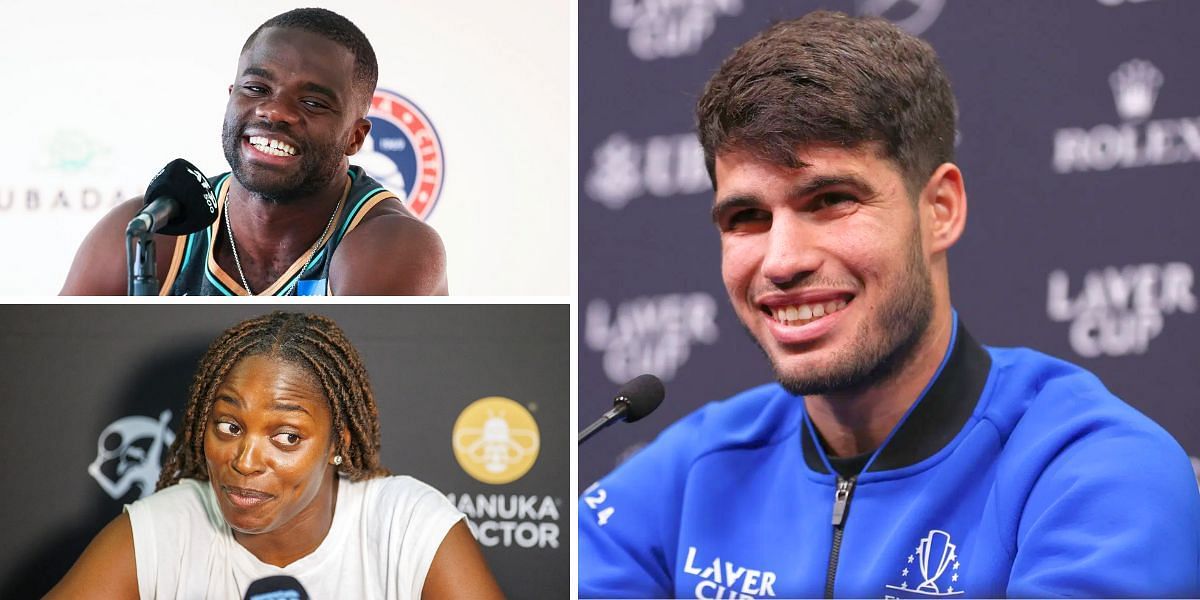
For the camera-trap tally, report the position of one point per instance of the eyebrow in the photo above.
(277, 405)
(308, 87)
(808, 188)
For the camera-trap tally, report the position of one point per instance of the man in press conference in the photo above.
(896, 456)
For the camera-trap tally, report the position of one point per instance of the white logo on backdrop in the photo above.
(669, 28)
(650, 334)
(913, 16)
(1120, 2)
(510, 520)
(1135, 142)
(1135, 88)
(1119, 310)
(624, 169)
(380, 167)
(129, 452)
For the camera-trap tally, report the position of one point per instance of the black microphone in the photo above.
(179, 201)
(636, 399)
(275, 587)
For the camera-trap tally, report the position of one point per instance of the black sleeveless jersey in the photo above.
(195, 272)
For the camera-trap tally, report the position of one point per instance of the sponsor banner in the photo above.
(1138, 140)
(1118, 311)
(496, 441)
(669, 28)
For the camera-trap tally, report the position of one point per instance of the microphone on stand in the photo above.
(636, 399)
(179, 201)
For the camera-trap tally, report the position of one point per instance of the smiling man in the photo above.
(896, 456)
(294, 217)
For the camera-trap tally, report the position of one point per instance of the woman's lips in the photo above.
(246, 498)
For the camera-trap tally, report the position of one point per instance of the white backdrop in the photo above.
(98, 96)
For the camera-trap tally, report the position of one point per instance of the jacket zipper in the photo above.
(841, 503)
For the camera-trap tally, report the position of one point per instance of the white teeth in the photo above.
(801, 314)
(272, 147)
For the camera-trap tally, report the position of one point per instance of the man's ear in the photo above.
(231, 89)
(358, 135)
(943, 207)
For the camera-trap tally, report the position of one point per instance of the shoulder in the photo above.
(1039, 396)
(759, 416)
(403, 500)
(389, 252)
(99, 267)
(756, 418)
(181, 511)
(1068, 431)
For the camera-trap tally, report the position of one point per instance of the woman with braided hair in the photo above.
(275, 471)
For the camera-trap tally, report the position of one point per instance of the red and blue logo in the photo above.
(403, 152)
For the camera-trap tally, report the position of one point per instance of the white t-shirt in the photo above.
(384, 534)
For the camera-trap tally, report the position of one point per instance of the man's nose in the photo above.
(791, 253)
(275, 110)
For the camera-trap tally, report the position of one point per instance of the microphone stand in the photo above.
(140, 259)
(620, 405)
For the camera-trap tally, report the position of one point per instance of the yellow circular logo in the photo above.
(496, 440)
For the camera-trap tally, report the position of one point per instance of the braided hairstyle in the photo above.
(312, 342)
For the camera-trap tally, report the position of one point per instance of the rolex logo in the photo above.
(1135, 88)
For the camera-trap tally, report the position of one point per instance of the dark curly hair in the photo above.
(831, 78)
(337, 29)
(312, 342)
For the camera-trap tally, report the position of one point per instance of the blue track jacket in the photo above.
(1014, 474)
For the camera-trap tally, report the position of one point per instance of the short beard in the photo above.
(319, 165)
(902, 324)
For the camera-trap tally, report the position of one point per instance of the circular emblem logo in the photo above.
(496, 440)
(913, 16)
(403, 152)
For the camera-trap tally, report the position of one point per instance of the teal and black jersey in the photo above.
(195, 272)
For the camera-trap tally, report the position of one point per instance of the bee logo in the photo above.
(496, 440)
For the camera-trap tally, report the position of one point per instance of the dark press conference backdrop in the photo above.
(1080, 143)
(94, 393)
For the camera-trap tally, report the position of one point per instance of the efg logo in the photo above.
(1118, 310)
(650, 334)
(1136, 142)
(624, 169)
(403, 152)
(669, 28)
(496, 440)
(129, 452)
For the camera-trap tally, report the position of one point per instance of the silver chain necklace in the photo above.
(311, 251)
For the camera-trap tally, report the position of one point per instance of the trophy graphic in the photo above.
(935, 548)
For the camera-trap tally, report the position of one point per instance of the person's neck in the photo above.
(301, 535)
(265, 229)
(858, 421)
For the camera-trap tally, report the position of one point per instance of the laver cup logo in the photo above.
(496, 440)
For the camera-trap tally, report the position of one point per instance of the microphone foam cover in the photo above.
(185, 183)
(645, 393)
(276, 587)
